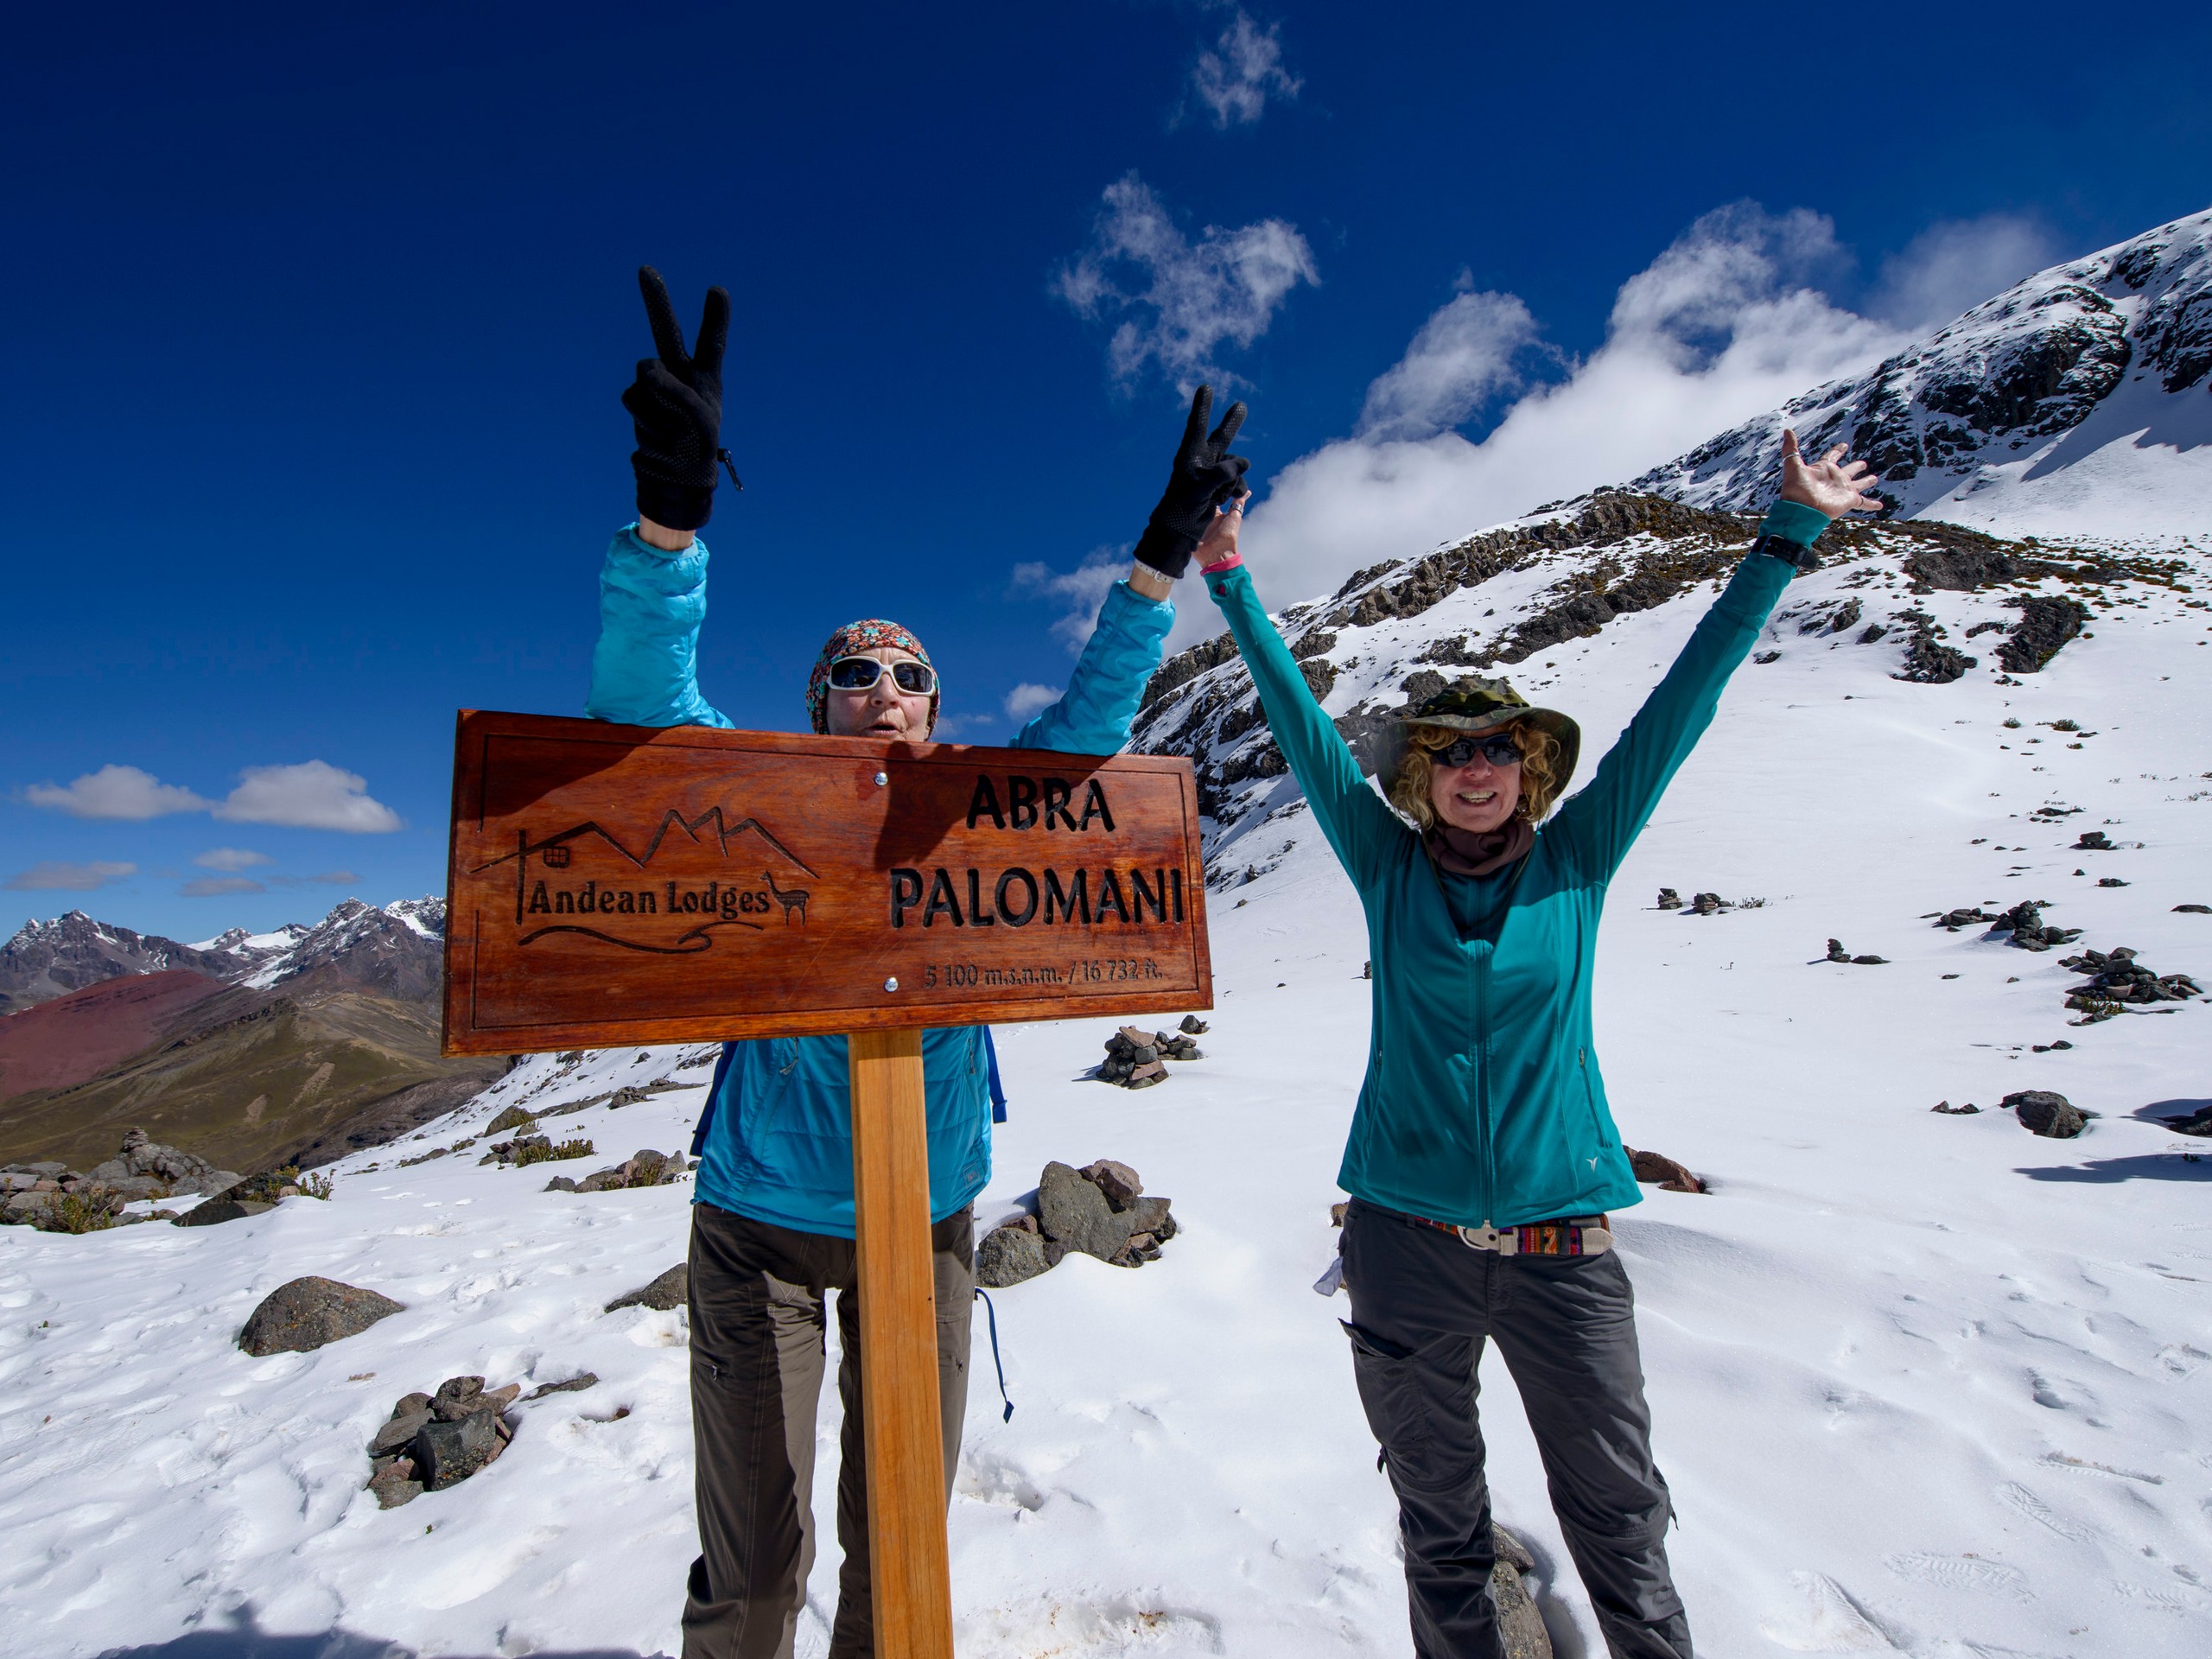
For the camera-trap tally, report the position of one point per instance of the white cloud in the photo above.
(1951, 267)
(1081, 591)
(1186, 299)
(216, 886)
(231, 858)
(116, 792)
(1236, 75)
(1026, 699)
(51, 877)
(1723, 324)
(312, 795)
(1462, 356)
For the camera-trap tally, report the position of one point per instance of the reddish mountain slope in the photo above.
(74, 1038)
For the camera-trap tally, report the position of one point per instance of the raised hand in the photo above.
(1203, 476)
(675, 409)
(1827, 485)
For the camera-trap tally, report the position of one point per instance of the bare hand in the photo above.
(1828, 485)
(1220, 541)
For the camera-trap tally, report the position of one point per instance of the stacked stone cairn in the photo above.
(2115, 978)
(1100, 1210)
(143, 1169)
(1134, 1058)
(644, 1168)
(437, 1441)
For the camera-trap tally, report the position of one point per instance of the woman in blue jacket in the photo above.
(773, 1219)
(1481, 1156)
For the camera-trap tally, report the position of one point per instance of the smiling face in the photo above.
(1477, 798)
(882, 710)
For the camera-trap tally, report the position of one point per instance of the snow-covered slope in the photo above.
(1923, 1384)
(2078, 402)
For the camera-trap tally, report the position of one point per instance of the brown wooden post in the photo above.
(905, 1455)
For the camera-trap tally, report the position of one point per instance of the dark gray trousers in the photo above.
(758, 1324)
(1422, 1303)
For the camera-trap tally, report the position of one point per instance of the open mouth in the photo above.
(1482, 798)
(882, 728)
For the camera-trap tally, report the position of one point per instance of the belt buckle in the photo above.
(1504, 1242)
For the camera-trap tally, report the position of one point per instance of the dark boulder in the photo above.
(301, 1316)
(448, 1453)
(1007, 1256)
(1663, 1172)
(669, 1290)
(2047, 1114)
(1076, 1213)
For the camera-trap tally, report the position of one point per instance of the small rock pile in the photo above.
(645, 1169)
(143, 1169)
(1837, 953)
(437, 1441)
(1705, 903)
(2093, 841)
(1099, 1210)
(2024, 922)
(1134, 1058)
(1966, 916)
(2116, 979)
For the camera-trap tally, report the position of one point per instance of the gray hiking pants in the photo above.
(759, 1320)
(1422, 1304)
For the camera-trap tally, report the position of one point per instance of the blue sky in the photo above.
(315, 325)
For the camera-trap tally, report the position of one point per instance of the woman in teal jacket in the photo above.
(773, 1214)
(1483, 1156)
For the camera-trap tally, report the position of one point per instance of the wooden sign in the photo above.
(625, 884)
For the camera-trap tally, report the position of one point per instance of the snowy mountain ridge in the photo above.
(2078, 403)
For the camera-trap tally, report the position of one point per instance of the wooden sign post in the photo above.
(619, 884)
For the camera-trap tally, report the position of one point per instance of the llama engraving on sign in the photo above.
(630, 907)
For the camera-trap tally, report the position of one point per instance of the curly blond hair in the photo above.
(1539, 780)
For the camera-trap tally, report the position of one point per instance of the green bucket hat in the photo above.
(1473, 704)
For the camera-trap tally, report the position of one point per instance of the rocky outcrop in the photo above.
(642, 1168)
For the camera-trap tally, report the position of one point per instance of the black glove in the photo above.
(676, 405)
(1204, 477)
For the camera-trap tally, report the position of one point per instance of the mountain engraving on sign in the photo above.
(626, 883)
(572, 889)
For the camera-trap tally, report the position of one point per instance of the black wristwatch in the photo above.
(1787, 551)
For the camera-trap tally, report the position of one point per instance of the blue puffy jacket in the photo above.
(777, 1138)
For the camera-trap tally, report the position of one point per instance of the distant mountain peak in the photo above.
(401, 943)
(2074, 403)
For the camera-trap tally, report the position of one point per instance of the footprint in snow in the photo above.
(1961, 1573)
(1826, 1621)
(2022, 1502)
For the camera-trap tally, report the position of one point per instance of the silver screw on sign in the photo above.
(881, 778)
(890, 984)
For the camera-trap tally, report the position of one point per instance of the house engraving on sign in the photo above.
(584, 871)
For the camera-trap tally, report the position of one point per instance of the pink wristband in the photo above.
(1229, 563)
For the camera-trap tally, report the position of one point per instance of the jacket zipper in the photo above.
(1485, 1151)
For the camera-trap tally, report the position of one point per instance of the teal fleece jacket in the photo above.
(778, 1145)
(1483, 1102)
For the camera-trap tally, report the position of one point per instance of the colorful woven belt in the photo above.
(1568, 1236)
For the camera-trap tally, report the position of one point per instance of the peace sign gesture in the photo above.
(1826, 486)
(676, 407)
(1204, 475)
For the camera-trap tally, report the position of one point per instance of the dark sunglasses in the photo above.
(860, 673)
(1496, 748)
